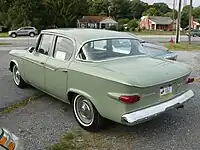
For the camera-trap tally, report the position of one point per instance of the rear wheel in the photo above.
(17, 77)
(87, 115)
(32, 34)
(13, 35)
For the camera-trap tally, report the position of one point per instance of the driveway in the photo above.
(44, 120)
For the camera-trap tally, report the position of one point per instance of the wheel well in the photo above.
(71, 96)
(11, 66)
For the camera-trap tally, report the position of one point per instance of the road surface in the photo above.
(43, 121)
(28, 41)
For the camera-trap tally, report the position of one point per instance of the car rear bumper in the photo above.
(151, 112)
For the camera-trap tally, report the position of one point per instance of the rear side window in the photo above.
(63, 48)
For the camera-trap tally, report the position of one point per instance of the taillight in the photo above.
(189, 80)
(129, 99)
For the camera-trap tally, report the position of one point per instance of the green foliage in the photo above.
(113, 27)
(123, 21)
(132, 24)
(151, 12)
(64, 13)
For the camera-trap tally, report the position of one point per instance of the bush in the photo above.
(120, 28)
(113, 27)
(143, 28)
(132, 24)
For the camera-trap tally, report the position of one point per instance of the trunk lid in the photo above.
(143, 71)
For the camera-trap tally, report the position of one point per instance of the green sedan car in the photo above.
(81, 67)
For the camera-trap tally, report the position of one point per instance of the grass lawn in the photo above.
(156, 33)
(184, 46)
(78, 139)
(3, 34)
(4, 44)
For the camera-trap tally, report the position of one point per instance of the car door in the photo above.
(34, 62)
(21, 31)
(56, 67)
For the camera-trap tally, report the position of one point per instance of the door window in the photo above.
(63, 48)
(45, 44)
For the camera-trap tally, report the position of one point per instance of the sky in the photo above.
(170, 2)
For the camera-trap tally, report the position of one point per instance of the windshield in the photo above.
(110, 48)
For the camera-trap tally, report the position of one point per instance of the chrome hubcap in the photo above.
(84, 111)
(16, 75)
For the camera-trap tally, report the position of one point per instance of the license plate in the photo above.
(165, 91)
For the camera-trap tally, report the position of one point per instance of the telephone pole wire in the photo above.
(178, 22)
(190, 21)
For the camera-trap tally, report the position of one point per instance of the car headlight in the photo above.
(6, 140)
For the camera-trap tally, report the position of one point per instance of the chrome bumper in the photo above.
(150, 112)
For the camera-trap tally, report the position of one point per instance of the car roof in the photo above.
(82, 35)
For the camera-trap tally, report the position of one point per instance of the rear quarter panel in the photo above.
(82, 80)
(96, 89)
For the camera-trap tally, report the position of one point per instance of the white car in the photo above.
(9, 141)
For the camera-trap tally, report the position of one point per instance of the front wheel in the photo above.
(17, 77)
(86, 114)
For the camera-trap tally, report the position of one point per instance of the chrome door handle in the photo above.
(61, 69)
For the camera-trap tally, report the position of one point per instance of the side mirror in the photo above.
(42, 51)
(31, 49)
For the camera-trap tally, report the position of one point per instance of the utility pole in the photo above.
(190, 21)
(178, 22)
(173, 15)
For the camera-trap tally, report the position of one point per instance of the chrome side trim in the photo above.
(147, 113)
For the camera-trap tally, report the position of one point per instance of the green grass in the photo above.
(156, 33)
(2, 34)
(20, 104)
(78, 139)
(182, 46)
(5, 44)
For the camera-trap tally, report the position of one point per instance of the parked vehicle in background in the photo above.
(23, 31)
(9, 141)
(156, 50)
(103, 74)
(194, 32)
(159, 51)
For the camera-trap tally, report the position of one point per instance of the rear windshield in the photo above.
(110, 48)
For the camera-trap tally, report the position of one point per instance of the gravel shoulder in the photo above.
(44, 120)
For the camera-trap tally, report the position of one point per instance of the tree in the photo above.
(161, 7)
(121, 9)
(132, 24)
(66, 12)
(123, 21)
(151, 12)
(170, 14)
(196, 12)
(185, 16)
(137, 8)
(98, 7)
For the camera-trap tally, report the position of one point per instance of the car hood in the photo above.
(12, 31)
(143, 71)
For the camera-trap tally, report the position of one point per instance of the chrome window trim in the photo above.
(96, 39)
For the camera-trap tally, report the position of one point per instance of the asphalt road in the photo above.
(28, 41)
(43, 121)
